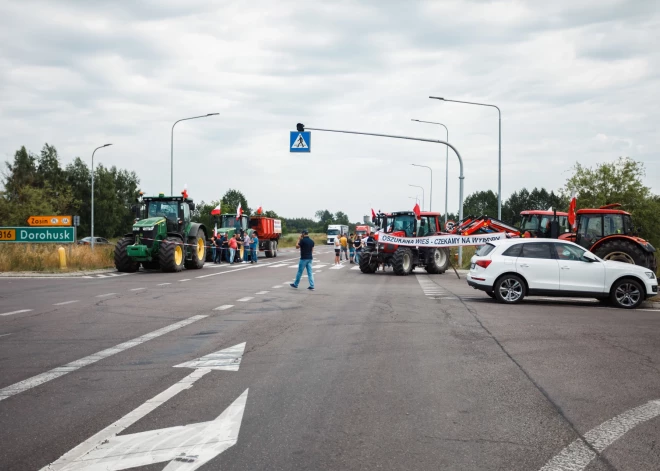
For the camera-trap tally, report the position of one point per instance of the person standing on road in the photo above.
(213, 248)
(246, 248)
(219, 243)
(357, 245)
(351, 247)
(232, 249)
(344, 246)
(337, 250)
(254, 246)
(306, 246)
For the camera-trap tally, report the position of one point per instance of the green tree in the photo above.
(230, 202)
(481, 203)
(536, 199)
(618, 182)
(21, 173)
(341, 218)
(49, 172)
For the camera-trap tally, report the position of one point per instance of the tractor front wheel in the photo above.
(367, 265)
(437, 261)
(198, 250)
(171, 254)
(622, 250)
(123, 262)
(402, 261)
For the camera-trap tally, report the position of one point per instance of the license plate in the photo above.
(472, 265)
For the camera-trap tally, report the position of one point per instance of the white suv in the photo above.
(508, 270)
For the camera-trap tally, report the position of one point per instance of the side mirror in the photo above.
(191, 206)
(589, 257)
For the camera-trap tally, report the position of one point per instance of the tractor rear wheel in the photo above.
(622, 250)
(171, 254)
(437, 261)
(198, 250)
(367, 263)
(123, 262)
(269, 248)
(402, 261)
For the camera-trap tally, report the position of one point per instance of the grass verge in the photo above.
(290, 240)
(45, 258)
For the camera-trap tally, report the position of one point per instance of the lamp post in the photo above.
(92, 230)
(416, 198)
(172, 148)
(446, 168)
(423, 198)
(499, 164)
(301, 127)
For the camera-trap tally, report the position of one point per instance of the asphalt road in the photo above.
(365, 372)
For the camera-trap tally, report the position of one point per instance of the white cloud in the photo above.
(576, 81)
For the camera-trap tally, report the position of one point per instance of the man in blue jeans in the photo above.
(306, 246)
(254, 246)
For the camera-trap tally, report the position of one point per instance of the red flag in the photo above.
(571, 211)
(417, 211)
(373, 214)
(259, 210)
(215, 211)
(239, 210)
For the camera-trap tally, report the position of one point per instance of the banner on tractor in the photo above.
(447, 240)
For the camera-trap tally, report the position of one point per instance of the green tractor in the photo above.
(230, 224)
(165, 238)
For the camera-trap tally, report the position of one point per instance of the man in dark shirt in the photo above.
(306, 246)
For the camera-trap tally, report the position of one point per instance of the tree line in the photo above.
(36, 184)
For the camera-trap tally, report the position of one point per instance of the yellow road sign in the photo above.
(50, 220)
(7, 234)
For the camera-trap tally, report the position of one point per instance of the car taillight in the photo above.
(484, 263)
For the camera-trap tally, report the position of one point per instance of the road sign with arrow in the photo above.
(185, 447)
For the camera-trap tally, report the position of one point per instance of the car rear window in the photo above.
(513, 251)
(484, 250)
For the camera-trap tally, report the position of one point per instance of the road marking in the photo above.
(66, 302)
(651, 310)
(186, 447)
(93, 358)
(247, 298)
(355, 268)
(279, 265)
(163, 284)
(104, 295)
(223, 307)
(4, 335)
(336, 267)
(262, 292)
(578, 455)
(137, 289)
(276, 286)
(15, 312)
(256, 265)
(320, 266)
(185, 279)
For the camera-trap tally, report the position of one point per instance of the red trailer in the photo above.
(269, 231)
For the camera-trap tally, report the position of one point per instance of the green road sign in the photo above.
(38, 235)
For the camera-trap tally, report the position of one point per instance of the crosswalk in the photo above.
(431, 290)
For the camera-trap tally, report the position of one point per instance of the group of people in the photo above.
(231, 246)
(349, 248)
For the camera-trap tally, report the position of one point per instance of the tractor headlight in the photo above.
(650, 274)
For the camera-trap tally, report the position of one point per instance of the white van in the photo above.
(335, 230)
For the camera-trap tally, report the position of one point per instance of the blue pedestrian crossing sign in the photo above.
(300, 141)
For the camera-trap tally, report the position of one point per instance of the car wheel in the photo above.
(627, 294)
(509, 289)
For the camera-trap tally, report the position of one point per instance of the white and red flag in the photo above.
(215, 211)
(571, 211)
(417, 211)
(239, 210)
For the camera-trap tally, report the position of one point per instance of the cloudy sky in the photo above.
(576, 81)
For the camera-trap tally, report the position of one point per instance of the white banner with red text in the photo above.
(445, 240)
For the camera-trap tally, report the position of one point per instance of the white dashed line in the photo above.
(137, 289)
(276, 286)
(185, 279)
(263, 292)
(104, 295)
(247, 298)
(88, 360)
(65, 302)
(15, 312)
(223, 307)
(163, 284)
(4, 335)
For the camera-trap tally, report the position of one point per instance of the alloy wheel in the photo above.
(510, 290)
(627, 294)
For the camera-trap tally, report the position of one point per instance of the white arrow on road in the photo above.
(186, 447)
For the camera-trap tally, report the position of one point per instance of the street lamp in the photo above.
(499, 171)
(446, 168)
(172, 148)
(301, 127)
(101, 147)
(423, 197)
(416, 198)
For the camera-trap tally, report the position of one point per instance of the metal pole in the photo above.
(172, 148)
(92, 229)
(300, 127)
(431, 195)
(446, 169)
(499, 161)
(423, 192)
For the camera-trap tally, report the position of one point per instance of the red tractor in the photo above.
(609, 233)
(538, 223)
(404, 259)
